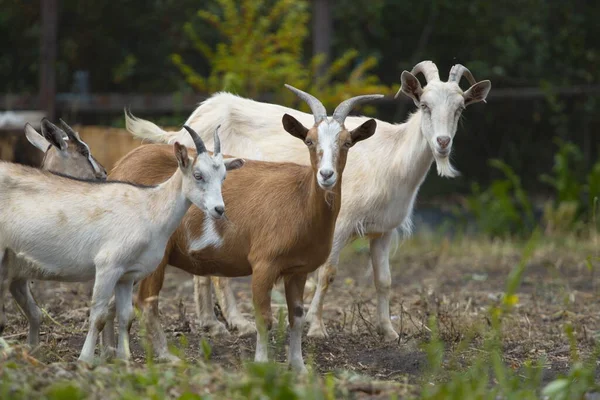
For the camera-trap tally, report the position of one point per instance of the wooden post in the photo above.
(322, 28)
(49, 11)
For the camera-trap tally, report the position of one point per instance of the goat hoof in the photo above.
(317, 330)
(389, 334)
(243, 327)
(168, 358)
(299, 368)
(214, 329)
(86, 361)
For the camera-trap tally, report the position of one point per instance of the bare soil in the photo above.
(456, 282)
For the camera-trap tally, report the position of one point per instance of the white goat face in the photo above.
(203, 179)
(441, 105)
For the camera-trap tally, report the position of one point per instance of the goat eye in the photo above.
(198, 177)
(348, 145)
(309, 142)
(425, 107)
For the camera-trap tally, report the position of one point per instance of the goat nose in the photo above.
(443, 141)
(220, 210)
(326, 173)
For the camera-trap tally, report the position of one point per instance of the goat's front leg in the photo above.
(205, 308)
(148, 302)
(104, 286)
(20, 290)
(294, 292)
(226, 299)
(380, 258)
(123, 300)
(263, 279)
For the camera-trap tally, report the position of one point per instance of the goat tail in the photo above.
(142, 129)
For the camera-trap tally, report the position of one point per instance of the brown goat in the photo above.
(281, 219)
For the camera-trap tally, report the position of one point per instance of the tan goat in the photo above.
(66, 154)
(280, 224)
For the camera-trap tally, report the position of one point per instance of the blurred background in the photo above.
(530, 154)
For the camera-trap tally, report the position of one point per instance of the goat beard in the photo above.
(445, 168)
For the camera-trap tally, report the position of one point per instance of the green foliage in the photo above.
(262, 47)
(574, 190)
(504, 207)
(474, 382)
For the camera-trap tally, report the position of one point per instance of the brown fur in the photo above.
(279, 223)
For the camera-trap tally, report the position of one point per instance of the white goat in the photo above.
(116, 232)
(381, 180)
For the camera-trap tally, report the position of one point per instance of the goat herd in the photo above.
(282, 212)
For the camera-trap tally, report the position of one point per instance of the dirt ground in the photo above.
(455, 280)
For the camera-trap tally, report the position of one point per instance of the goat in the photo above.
(64, 153)
(281, 218)
(116, 232)
(382, 179)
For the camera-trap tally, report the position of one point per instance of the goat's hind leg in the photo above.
(123, 299)
(205, 309)
(107, 339)
(148, 295)
(226, 298)
(294, 291)
(20, 290)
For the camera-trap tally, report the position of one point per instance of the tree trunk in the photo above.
(322, 30)
(49, 13)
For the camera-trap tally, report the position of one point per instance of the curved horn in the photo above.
(344, 108)
(317, 108)
(200, 148)
(428, 69)
(458, 71)
(69, 131)
(217, 141)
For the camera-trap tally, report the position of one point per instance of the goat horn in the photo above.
(200, 148)
(217, 141)
(344, 108)
(458, 71)
(69, 131)
(317, 108)
(428, 69)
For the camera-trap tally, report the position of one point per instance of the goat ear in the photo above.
(54, 135)
(411, 87)
(478, 92)
(365, 131)
(233, 163)
(35, 138)
(294, 127)
(181, 154)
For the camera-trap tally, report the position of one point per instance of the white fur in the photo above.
(210, 237)
(381, 179)
(328, 132)
(67, 230)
